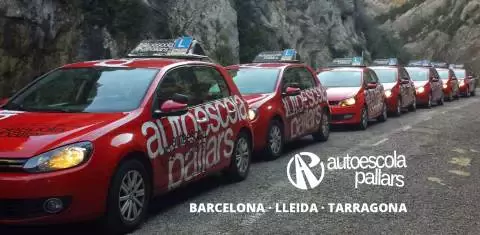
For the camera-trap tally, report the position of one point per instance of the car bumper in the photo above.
(463, 88)
(345, 115)
(260, 129)
(422, 98)
(23, 196)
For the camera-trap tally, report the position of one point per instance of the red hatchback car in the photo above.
(288, 102)
(354, 92)
(451, 88)
(466, 82)
(101, 138)
(399, 88)
(427, 82)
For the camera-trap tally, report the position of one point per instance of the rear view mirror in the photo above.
(177, 105)
(292, 91)
(372, 85)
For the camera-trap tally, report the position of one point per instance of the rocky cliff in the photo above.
(39, 35)
(446, 30)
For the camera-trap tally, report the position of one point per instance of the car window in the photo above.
(340, 78)
(290, 79)
(306, 78)
(178, 81)
(255, 80)
(386, 75)
(373, 76)
(210, 84)
(418, 74)
(434, 73)
(367, 78)
(460, 73)
(404, 74)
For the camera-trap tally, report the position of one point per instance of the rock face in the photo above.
(445, 30)
(39, 35)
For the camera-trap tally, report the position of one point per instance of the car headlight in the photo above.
(59, 159)
(445, 86)
(252, 114)
(462, 83)
(388, 93)
(348, 102)
(420, 89)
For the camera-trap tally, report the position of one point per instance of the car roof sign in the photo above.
(286, 56)
(347, 62)
(386, 62)
(457, 66)
(182, 48)
(420, 63)
(443, 65)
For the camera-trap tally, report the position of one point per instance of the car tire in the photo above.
(363, 125)
(398, 110)
(324, 131)
(441, 101)
(118, 217)
(384, 116)
(413, 106)
(275, 140)
(241, 159)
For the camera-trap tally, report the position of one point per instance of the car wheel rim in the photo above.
(242, 155)
(131, 196)
(275, 139)
(325, 125)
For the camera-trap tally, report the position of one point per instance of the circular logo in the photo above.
(303, 171)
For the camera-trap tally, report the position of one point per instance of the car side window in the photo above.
(374, 77)
(404, 74)
(367, 78)
(178, 81)
(290, 79)
(210, 84)
(434, 73)
(306, 78)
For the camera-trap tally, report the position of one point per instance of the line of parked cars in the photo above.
(99, 139)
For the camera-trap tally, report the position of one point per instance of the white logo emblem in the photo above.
(303, 170)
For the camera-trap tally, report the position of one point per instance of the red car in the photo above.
(287, 99)
(354, 92)
(466, 82)
(101, 138)
(451, 87)
(399, 88)
(427, 82)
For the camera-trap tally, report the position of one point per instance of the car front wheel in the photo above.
(324, 132)
(275, 140)
(241, 158)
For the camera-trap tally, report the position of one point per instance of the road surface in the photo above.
(441, 192)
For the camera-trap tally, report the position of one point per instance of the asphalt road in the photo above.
(441, 192)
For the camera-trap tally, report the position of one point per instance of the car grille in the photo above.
(26, 208)
(11, 165)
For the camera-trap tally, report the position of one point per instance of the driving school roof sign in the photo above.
(181, 47)
(288, 55)
(440, 65)
(355, 61)
(386, 62)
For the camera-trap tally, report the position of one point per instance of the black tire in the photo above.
(235, 172)
(272, 151)
(363, 125)
(398, 110)
(115, 223)
(324, 131)
(383, 117)
(413, 106)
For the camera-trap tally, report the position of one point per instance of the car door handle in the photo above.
(202, 120)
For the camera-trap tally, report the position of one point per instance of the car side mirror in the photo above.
(372, 85)
(434, 79)
(292, 91)
(470, 77)
(176, 106)
(405, 81)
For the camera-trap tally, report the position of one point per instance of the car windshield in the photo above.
(340, 78)
(92, 90)
(443, 73)
(255, 80)
(418, 74)
(460, 73)
(386, 75)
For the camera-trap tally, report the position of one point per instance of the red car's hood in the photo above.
(420, 83)
(256, 100)
(388, 86)
(341, 93)
(26, 134)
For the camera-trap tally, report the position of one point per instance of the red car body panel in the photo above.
(300, 114)
(450, 85)
(399, 90)
(373, 99)
(115, 136)
(430, 86)
(467, 83)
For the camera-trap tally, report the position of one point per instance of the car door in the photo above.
(370, 95)
(312, 96)
(169, 136)
(293, 104)
(454, 81)
(436, 84)
(407, 89)
(379, 93)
